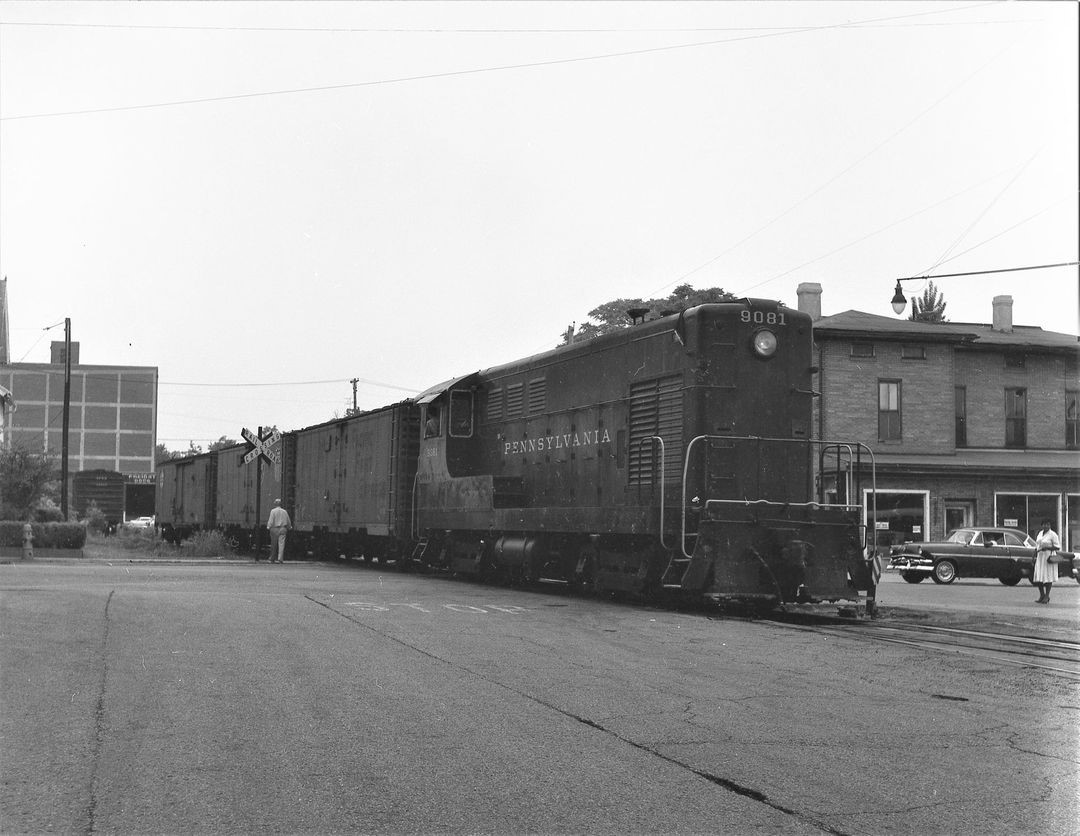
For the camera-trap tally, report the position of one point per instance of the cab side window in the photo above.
(432, 422)
(461, 414)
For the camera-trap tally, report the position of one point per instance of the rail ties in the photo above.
(1057, 656)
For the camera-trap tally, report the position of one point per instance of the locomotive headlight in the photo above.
(764, 343)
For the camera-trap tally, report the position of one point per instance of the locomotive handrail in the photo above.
(840, 445)
(414, 527)
(663, 544)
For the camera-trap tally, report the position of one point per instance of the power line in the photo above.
(820, 188)
(299, 383)
(392, 30)
(478, 70)
(987, 272)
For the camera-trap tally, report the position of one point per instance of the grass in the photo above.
(147, 543)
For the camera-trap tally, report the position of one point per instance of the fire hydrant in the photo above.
(28, 542)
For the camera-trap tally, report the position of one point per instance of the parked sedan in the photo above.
(140, 522)
(1007, 554)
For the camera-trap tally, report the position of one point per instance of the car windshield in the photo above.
(961, 535)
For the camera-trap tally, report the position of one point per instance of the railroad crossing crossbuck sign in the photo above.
(262, 446)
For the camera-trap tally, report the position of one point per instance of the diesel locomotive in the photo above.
(676, 454)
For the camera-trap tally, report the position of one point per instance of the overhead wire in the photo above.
(981, 215)
(478, 70)
(816, 191)
(445, 30)
(869, 235)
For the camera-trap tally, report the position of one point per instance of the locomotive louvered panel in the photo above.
(537, 395)
(495, 405)
(515, 400)
(656, 408)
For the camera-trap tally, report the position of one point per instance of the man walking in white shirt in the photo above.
(278, 524)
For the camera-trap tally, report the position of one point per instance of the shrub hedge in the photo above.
(46, 535)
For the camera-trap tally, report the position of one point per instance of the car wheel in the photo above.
(944, 572)
(1013, 581)
(913, 577)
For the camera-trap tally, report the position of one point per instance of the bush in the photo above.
(207, 544)
(95, 518)
(46, 535)
(48, 511)
(136, 539)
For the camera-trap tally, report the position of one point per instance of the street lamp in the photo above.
(899, 303)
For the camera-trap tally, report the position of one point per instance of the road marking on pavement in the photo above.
(370, 606)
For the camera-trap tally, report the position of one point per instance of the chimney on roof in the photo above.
(809, 294)
(1003, 314)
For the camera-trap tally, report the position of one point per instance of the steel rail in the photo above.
(1012, 650)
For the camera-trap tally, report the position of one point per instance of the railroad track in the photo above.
(1051, 655)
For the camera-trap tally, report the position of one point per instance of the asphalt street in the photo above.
(316, 698)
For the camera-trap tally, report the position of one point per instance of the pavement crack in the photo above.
(99, 721)
(718, 780)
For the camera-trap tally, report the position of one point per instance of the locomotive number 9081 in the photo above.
(763, 317)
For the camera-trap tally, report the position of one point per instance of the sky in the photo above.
(268, 200)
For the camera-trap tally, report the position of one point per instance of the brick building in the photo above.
(969, 423)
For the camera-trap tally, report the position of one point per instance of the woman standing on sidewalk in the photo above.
(1047, 542)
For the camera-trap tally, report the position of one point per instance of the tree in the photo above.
(221, 444)
(931, 308)
(161, 454)
(25, 479)
(612, 316)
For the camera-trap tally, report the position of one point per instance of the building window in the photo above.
(1072, 420)
(1070, 537)
(895, 517)
(1015, 360)
(888, 410)
(1016, 417)
(1026, 511)
(862, 349)
(913, 352)
(961, 416)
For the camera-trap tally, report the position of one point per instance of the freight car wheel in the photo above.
(913, 577)
(944, 572)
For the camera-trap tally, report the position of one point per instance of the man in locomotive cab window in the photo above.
(431, 425)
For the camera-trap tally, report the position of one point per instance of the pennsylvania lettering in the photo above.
(556, 442)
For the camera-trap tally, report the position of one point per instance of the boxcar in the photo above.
(239, 510)
(185, 496)
(352, 480)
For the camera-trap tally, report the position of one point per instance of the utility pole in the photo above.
(67, 412)
(354, 381)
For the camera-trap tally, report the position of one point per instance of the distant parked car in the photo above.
(140, 522)
(1007, 554)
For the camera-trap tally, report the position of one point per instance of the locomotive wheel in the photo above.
(944, 572)
(913, 577)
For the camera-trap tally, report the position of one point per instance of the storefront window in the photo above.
(900, 517)
(1071, 537)
(1026, 511)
